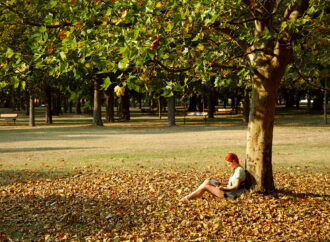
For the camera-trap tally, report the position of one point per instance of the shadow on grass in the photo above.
(15, 150)
(286, 192)
(90, 132)
(8, 177)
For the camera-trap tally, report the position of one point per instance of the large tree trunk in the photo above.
(31, 112)
(171, 111)
(268, 74)
(97, 116)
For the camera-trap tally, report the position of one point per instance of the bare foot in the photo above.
(184, 200)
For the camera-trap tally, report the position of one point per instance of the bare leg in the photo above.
(206, 186)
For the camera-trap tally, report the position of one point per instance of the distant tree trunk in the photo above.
(49, 115)
(58, 102)
(297, 99)
(309, 101)
(246, 106)
(70, 106)
(125, 112)
(325, 103)
(159, 107)
(318, 101)
(200, 105)
(171, 111)
(65, 104)
(110, 103)
(54, 103)
(140, 100)
(151, 102)
(12, 99)
(97, 115)
(192, 103)
(211, 104)
(26, 103)
(225, 102)
(325, 100)
(78, 106)
(31, 113)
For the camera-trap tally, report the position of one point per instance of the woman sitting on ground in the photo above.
(235, 187)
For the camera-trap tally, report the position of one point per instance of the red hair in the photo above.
(231, 157)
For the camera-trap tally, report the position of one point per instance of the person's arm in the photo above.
(236, 186)
(215, 182)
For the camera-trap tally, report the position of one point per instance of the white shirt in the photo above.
(238, 173)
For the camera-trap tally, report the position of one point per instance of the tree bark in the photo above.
(171, 111)
(31, 113)
(268, 74)
(49, 115)
(97, 116)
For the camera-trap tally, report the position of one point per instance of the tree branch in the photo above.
(169, 69)
(289, 10)
(307, 81)
(292, 13)
(242, 22)
(230, 33)
(220, 66)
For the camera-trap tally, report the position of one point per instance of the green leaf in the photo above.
(106, 83)
(53, 3)
(62, 55)
(9, 53)
(23, 85)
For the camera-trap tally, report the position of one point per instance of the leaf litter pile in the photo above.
(141, 204)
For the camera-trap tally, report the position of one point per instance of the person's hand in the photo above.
(221, 188)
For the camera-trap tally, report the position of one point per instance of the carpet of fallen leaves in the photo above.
(141, 204)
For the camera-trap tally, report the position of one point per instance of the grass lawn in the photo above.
(73, 181)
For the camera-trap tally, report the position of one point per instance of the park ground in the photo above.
(123, 181)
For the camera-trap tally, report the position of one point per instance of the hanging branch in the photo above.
(307, 81)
